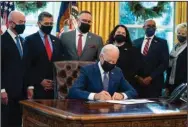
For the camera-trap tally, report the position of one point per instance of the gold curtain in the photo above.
(105, 16)
(181, 12)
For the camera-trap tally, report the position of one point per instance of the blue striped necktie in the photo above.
(18, 44)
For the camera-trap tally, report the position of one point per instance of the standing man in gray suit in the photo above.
(80, 44)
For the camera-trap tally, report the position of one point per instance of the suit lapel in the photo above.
(88, 39)
(73, 36)
(13, 44)
(152, 45)
(111, 82)
(97, 77)
(53, 46)
(140, 44)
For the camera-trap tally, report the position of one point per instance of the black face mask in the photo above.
(19, 28)
(46, 29)
(120, 38)
(150, 31)
(84, 27)
(181, 38)
(108, 66)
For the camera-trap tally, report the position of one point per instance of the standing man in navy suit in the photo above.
(103, 80)
(154, 62)
(42, 49)
(12, 71)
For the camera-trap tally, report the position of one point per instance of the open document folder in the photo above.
(129, 101)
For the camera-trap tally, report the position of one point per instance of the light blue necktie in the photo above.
(105, 81)
(18, 44)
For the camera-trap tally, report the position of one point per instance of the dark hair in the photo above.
(84, 12)
(111, 36)
(44, 14)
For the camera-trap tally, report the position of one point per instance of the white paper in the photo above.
(129, 101)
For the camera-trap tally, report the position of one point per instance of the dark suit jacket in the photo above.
(90, 81)
(153, 64)
(181, 69)
(12, 68)
(128, 61)
(38, 65)
(90, 52)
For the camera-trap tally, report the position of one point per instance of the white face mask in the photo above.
(66, 28)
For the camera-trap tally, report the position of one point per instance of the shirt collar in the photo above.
(41, 33)
(101, 69)
(11, 34)
(151, 38)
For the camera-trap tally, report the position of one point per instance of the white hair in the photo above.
(108, 48)
(182, 26)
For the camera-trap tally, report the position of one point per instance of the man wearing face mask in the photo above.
(177, 69)
(12, 71)
(42, 49)
(154, 61)
(80, 44)
(102, 80)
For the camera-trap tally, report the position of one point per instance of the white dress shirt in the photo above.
(91, 95)
(144, 43)
(84, 37)
(43, 39)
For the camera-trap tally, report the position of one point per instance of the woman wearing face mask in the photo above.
(129, 56)
(177, 71)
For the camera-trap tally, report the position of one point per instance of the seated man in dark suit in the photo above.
(103, 80)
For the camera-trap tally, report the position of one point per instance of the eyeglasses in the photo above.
(86, 21)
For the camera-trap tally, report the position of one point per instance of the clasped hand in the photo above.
(47, 84)
(144, 81)
(104, 95)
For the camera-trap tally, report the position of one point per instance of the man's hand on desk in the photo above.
(103, 95)
(4, 98)
(47, 84)
(117, 96)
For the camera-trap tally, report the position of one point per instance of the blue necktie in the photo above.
(19, 46)
(105, 81)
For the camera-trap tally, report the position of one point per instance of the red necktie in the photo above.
(79, 49)
(146, 47)
(48, 48)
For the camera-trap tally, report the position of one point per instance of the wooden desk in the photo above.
(75, 113)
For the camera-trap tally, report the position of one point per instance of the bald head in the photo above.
(109, 53)
(149, 22)
(15, 18)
